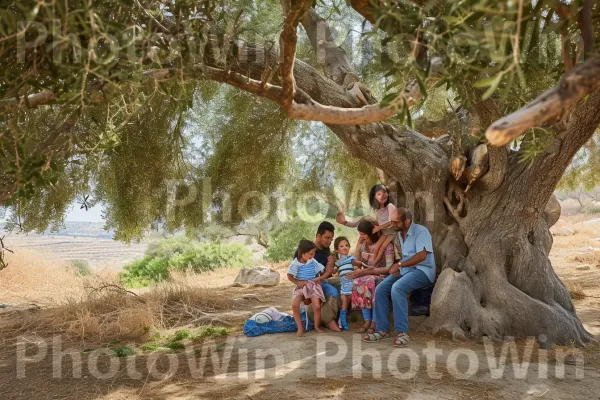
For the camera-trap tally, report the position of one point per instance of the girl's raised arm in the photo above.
(357, 251)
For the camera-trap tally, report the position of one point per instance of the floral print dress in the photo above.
(363, 288)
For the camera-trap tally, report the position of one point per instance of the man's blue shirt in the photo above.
(418, 238)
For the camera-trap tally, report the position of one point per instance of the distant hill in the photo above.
(78, 229)
(77, 241)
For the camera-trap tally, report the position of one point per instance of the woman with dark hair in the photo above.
(379, 199)
(365, 280)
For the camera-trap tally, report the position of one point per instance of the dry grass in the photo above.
(592, 258)
(32, 278)
(575, 291)
(109, 312)
(96, 308)
(581, 226)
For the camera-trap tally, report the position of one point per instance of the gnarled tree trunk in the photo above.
(491, 241)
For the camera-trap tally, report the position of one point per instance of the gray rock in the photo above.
(257, 276)
(564, 231)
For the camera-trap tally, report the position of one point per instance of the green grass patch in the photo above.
(175, 346)
(210, 331)
(149, 347)
(181, 335)
(124, 351)
(80, 267)
(592, 210)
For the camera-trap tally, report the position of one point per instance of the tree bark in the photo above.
(492, 243)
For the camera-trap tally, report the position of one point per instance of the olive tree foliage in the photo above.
(146, 150)
(471, 111)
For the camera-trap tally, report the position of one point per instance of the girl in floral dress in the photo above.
(365, 280)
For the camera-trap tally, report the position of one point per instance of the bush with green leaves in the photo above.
(80, 267)
(182, 254)
(592, 210)
(286, 238)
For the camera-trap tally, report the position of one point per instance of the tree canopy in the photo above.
(115, 101)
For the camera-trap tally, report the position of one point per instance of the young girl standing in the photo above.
(302, 272)
(345, 264)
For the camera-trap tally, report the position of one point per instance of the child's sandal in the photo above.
(401, 340)
(375, 337)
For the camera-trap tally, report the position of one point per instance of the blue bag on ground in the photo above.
(286, 324)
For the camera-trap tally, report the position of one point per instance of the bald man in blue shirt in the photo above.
(416, 270)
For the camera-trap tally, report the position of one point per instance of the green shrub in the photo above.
(149, 347)
(182, 254)
(181, 335)
(175, 346)
(124, 351)
(592, 210)
(286, 238)
(81, 267)
(209, 331)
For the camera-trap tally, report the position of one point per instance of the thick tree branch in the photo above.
(330, 57)
(363, 7)
(32, 101)
(313, 111)
(287, 43)
(584, 19)
(564, 13)
(488, 112)
(573, 86)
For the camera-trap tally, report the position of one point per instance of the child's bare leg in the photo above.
(316, 303)
(296, 310)
(343, 323)
(383, 241)
(345, 301)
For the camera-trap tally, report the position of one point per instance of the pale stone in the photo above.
(257, 276)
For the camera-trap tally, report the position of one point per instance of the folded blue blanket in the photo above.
(287, 324)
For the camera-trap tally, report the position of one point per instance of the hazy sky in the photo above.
(93, 214)
(75, 213)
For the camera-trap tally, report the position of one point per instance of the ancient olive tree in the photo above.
(518, 84)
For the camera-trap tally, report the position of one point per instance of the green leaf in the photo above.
(492, 84)
(452, 20)
(391, 72)
(422, 86)
(407, 113)
(440, 83)
(389, 98)
(395, 83)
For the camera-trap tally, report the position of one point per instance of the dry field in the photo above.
(90, 315)
(99, 252)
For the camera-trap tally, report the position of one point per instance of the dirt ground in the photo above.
(330, 365)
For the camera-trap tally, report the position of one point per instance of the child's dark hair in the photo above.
(339, 240)
(365, 226)
(374, 190)
(304, 247)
